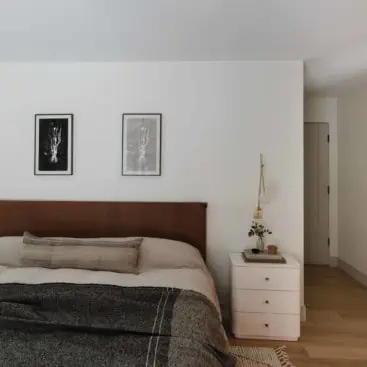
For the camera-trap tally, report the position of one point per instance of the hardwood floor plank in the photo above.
(336, 352)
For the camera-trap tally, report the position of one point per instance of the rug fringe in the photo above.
(283, 357)
(251, 356)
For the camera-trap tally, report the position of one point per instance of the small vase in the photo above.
(260, 244)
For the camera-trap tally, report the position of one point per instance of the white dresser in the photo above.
(265, 299)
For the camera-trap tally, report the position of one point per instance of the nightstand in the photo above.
(265, 299)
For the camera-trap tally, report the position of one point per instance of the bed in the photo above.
(166, 314)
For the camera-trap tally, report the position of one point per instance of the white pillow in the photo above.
(10, 248)
(158, 253)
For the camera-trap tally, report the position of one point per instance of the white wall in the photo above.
(325, 109)
(353, 179)
(217, 118)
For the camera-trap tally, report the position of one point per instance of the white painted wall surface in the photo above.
(353, 178)
(217, 118)
(325, 109)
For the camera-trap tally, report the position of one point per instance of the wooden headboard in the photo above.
(177, 221)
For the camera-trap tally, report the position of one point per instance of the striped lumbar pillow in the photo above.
(30, 239)
(115, 259)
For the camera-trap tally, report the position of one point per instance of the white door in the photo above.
(316, 193)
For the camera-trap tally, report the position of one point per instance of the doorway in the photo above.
(316, 193)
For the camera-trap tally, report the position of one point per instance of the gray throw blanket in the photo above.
(91, 325)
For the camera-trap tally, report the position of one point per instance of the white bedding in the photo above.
(190, 279)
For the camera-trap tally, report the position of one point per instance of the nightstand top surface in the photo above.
(237, 260)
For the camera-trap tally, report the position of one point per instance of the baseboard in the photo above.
(333, 261)
(303, 313)
(353, 272)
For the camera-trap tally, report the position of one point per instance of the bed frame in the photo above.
(177, 221)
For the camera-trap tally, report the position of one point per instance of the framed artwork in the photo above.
(53, 148)
(141, 144)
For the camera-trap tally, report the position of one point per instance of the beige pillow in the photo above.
(10, 247)
(116, 259)
(30, 239)
(160, 253)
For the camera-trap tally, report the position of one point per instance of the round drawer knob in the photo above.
(266, 325)
(267, 279)
(267, 302)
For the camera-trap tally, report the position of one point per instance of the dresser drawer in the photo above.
(286, 279)
(284, 327)
(263, 301)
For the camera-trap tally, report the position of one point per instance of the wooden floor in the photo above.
(335, 333)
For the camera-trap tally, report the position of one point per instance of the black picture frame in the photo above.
(53, 144)
(141, 144)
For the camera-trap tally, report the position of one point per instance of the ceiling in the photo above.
(321, 32)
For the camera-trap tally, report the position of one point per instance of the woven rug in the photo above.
(261, 357)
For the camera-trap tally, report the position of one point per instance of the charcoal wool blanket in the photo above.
(101, 325)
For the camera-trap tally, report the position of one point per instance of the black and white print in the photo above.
(53, 144)
(141, 144)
